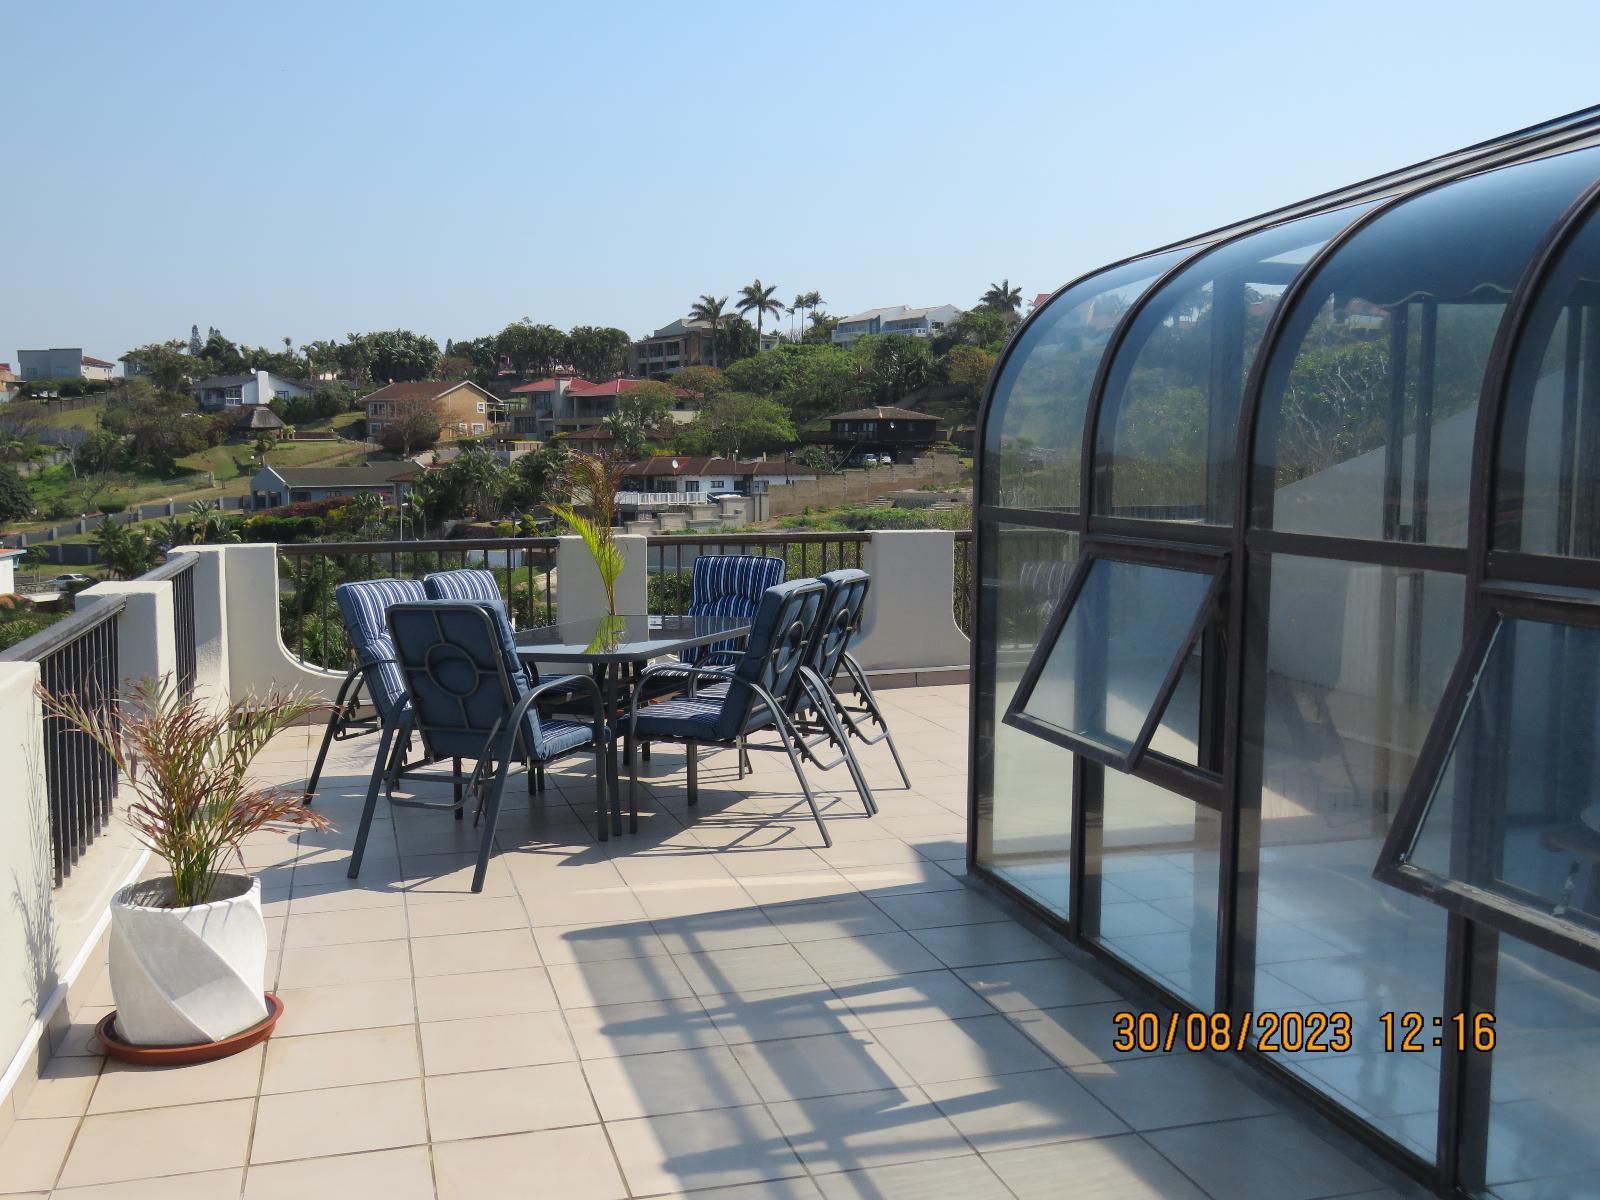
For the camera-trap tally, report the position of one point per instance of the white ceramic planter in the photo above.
(180, 976)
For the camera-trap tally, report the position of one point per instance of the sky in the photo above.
(307, 170)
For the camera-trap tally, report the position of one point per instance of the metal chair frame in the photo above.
(499, 749)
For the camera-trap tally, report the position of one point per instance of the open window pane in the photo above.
(1515, 810)
(1098, 684)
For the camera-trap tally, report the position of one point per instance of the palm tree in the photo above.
(708, 308)
(1002, 297)
(762, 299)
(799, 306)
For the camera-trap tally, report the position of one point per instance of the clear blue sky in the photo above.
(311, 169)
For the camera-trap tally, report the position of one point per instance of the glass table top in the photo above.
(626, 637)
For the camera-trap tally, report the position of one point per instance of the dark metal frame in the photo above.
(1162, 559)
(1472, 935)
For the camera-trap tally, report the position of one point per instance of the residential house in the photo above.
(218, 392)
(881, 429)
(684, 343)
(694, 478)
(273, 486)
(63, 362)
(570, 405)
(8, 570)
(463, 408)
(533, 405)
(10, 384)
(899, 318)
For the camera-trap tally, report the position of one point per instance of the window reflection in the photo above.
(1024, 787)
(1367, 419)
(1516, 810)
(1033, 439)
(1355, 661)
(1167, 431)
(1548, 495)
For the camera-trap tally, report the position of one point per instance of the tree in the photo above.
(822, 327)
(981, 326)
(196, 346)
(709, 309)
(967, 368)
(816, 458)
(896, 364)
(760, 300)
(400, 356)
(15, 502)
(539, 476)
(99, 453)
(640, 412)
(736, 422)
(702, 381)
(157, 426)
(413, 426)
(221, 355)
(1002, 297)
(124, 552)
(477, 482)
(536, 349)
(598, 352)
(165, 365)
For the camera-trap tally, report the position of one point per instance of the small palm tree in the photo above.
(798, 308)
(1002, 297)
(761, 300)
(708, 308)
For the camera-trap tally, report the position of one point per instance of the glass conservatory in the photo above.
(1287, 646)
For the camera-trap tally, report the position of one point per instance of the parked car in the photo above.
(869, 460)
(69, 581)
(886, 460)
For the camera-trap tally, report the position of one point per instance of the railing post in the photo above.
(147, 647)
(909, 622)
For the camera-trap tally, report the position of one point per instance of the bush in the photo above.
(272, 527)
(112, 507)
(670, 593)
(25, 626)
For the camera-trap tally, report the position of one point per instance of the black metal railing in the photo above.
(525, 570)
(308, 616)
(77, 660)
(179, 569)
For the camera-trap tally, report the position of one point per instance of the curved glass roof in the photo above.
(1354, 343)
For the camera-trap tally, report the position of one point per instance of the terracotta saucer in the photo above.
(183, 1056)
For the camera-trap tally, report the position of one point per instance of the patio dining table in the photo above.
(616, 649)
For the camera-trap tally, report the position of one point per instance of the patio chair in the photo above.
(362, 607)
(470, 583)
(751, 698)
(728, 585)
(468, 698)
(830, 650)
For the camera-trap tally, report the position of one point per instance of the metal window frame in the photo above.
(1502, 603)
(1163, 558)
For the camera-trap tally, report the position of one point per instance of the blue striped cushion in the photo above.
(468, 584)
(729, 585)
(362, 606)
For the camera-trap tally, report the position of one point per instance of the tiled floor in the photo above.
(715, 1007)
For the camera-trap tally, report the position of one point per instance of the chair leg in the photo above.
(334, 722)
(455, 770)
(645, 750)
(491, 812)
(739, 750)
(371, 807)
(692, 749)
(805, 786)
(870, 700)
(600, 786)
(904, 778)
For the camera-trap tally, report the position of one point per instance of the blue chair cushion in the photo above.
(470, 583)
(695, 717)
(362, 606)
(729, 585)
(561, 736)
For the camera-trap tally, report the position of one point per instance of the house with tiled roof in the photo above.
(463, 408)
(693, 478)
(897, 318)
(63, 362)
(901, 433)
(273, 485)
(570, 405)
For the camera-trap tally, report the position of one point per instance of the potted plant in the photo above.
(594, 481)
(189, 948)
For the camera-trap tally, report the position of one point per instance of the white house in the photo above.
(898, 318)
(8, 570)
(687, 475)
(63, 362)
(255, 387)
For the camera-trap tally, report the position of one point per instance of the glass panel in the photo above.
(1339, 698)
(1167, 431)
(1033, 434)
(1158, 887)
(1548, 494)
(1024, 788)
(1516, 809)
(1367, 418)
(1178, 734)
(1544, 1091)
(1127, 627)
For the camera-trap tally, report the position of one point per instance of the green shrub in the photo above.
(112, 507)
(670, 593)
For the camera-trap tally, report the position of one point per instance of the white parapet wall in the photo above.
(147, 644)
(909, 622)
(579, 592)
(258, 661)
(211, 674)
(29, 950)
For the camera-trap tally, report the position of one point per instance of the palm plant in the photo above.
(798, 308)
(761, 300)
(188, 764)
(594, 482)
(1003, 297)
(709, 309)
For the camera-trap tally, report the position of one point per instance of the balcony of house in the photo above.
(717, 1005)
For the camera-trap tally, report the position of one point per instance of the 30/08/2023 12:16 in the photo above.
(1294, 1032)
